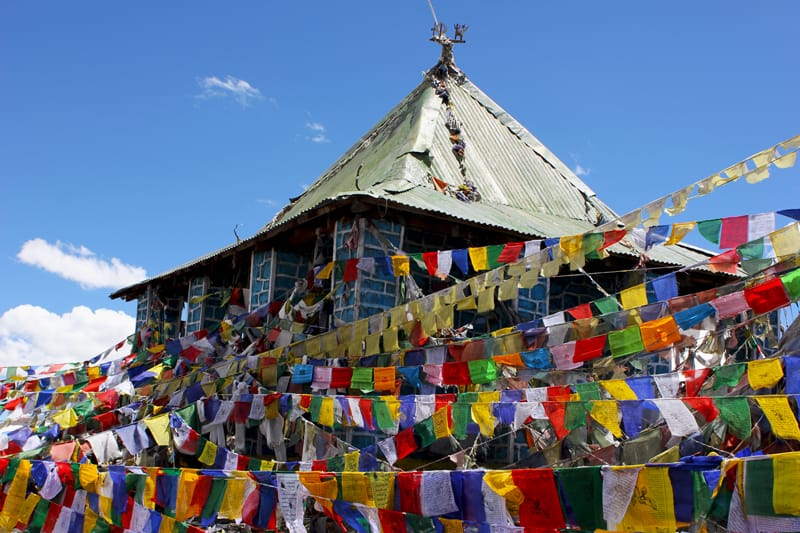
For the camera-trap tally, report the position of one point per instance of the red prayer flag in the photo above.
(340, 377)
(734, 231)
(703, 405)
(392, 520)
(581, 311)
(431, 260)
(350, 270)
(541, 509)
(241, 462)
(456, 374)
(409, 485)
(766, 296)
(695, 379)
(510, 252)
(727, 262)
(404, 443)
(365, 405)
(591, 348)
(612, 237)
(555, 412)
(558, 393)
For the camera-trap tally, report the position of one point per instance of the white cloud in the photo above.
(32, 335)
(581, 171)
(239, 90)
(80, 264)
(318, 130)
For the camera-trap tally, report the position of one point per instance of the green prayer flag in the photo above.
(575, 414)
(591, 244)
(702, 495)
(315, 407)
(180, 527)
(383, 418)
(752, 250)
(625, 341)
(735, 412)
(728, 375)
(710, 229)
(588, 391)
(482, 371)
(11, 470)
(462, 414)
(424, 430)
(83, 409)
(39, 516)
(791, 282)
(362, 378)
(102, 526)
(254, 464)
(335, 464)
(419, 524)
(189, 415)
(583, 490)
(607, 305)
(758, 481)
(492, 253)
(754, 266)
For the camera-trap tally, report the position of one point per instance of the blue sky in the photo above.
(136, 136)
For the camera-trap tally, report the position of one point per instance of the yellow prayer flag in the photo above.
(651, 508)
(27, 508)
(679, 200)
(354, 487)
(502, 483)
(329, 341)
(451, 525)
(764, 373)
(416, 309)
(187, 482)
(466, 304)
(441, 423)
(326, 271)
(786, 241)
(780, 416)
(398, 315)
(66, 418)
(209, 453)
(571, 246)
(267, 466)
(508, 289)
(167, 524)
(428, 323)
(361, 329)
(606, 412)
(351, 461)
(390, 342)
(483, 416)
(17, 489)
(786, 161)
(326, 411)
(786, 483)
(90, 520)
(479, 257)
(401, 265)
(529, 278)
(763, 158)
(757, 175)
(635, 296)
(381, 489)
(87, 476)
(486, 300)
(233, 498)
(159, 428)
(551, 268)
(444, 317)
(618, 389)
(313, 346)
(679, 231)
(373, 344)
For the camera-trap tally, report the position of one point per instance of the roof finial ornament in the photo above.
(446, 67)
